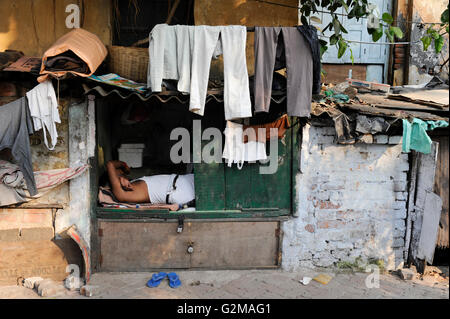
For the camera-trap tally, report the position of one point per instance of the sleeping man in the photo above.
(156, 189)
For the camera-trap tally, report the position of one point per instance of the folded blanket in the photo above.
(107, 199)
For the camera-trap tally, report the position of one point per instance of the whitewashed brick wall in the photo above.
(351, 202)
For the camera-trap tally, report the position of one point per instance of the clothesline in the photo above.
(340, 14)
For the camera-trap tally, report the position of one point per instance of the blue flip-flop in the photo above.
(156, 279)
(174, 280)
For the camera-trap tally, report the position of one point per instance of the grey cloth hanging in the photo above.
(299, 68)
(15, 128)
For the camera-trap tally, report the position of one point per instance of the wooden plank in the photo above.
(142, 246)
(441, 188)
(425, 182)
(430, 225)
(44, 258)
(115, 213)
(240, 244)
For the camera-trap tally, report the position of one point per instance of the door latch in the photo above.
(180, 224)
(190, 248)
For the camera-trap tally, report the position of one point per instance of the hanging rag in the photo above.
(44, 111)
(281, 125)
(233, 41)
(299, 69)
(309, 32)
(15, 128)
(13, 189)
(415, 136)
(238, 152)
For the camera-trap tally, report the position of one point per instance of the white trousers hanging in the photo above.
(237, 102)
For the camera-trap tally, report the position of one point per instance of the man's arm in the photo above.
(137, 193)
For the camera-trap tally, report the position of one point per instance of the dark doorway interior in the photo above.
(134, 19)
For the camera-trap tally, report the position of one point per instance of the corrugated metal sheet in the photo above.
(165, 97)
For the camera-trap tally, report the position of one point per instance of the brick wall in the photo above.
(351, 202)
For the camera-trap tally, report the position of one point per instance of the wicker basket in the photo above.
(129, 62)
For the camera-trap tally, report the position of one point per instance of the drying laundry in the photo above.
(184, 53)
(162, 51)
(238, 152)
(44, 111)
(15, 128)
(415, 136)
(281, 125)
(309, 32)
(233, 39)
(185, 41)
(299, 68)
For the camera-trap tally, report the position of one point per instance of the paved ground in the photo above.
(269, 284)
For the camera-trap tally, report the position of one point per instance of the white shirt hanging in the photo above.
(44, 111)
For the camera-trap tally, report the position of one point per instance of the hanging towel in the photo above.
(299, 68)
(233, 41)
(44, 111)
(238, 152)
(15, 128)
(415, 136)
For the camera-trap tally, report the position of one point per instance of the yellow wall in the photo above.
(31, 26)
(244, 12)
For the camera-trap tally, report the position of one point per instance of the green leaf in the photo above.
(334, 39)
(444, 16)
(377, 34)
(342, 28)
(342, 48)
(323, 49)
(304, 20)
(397, 31)
(389, 34)
(337, 26)
(344, 5)
(426, 40)
(386, 17)
(351, 56)
(435, 34)
(438, 44)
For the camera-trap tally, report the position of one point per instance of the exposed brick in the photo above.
(309, 228)
(337, 185)
(34, 217)
(330, 224)
(326, 204)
